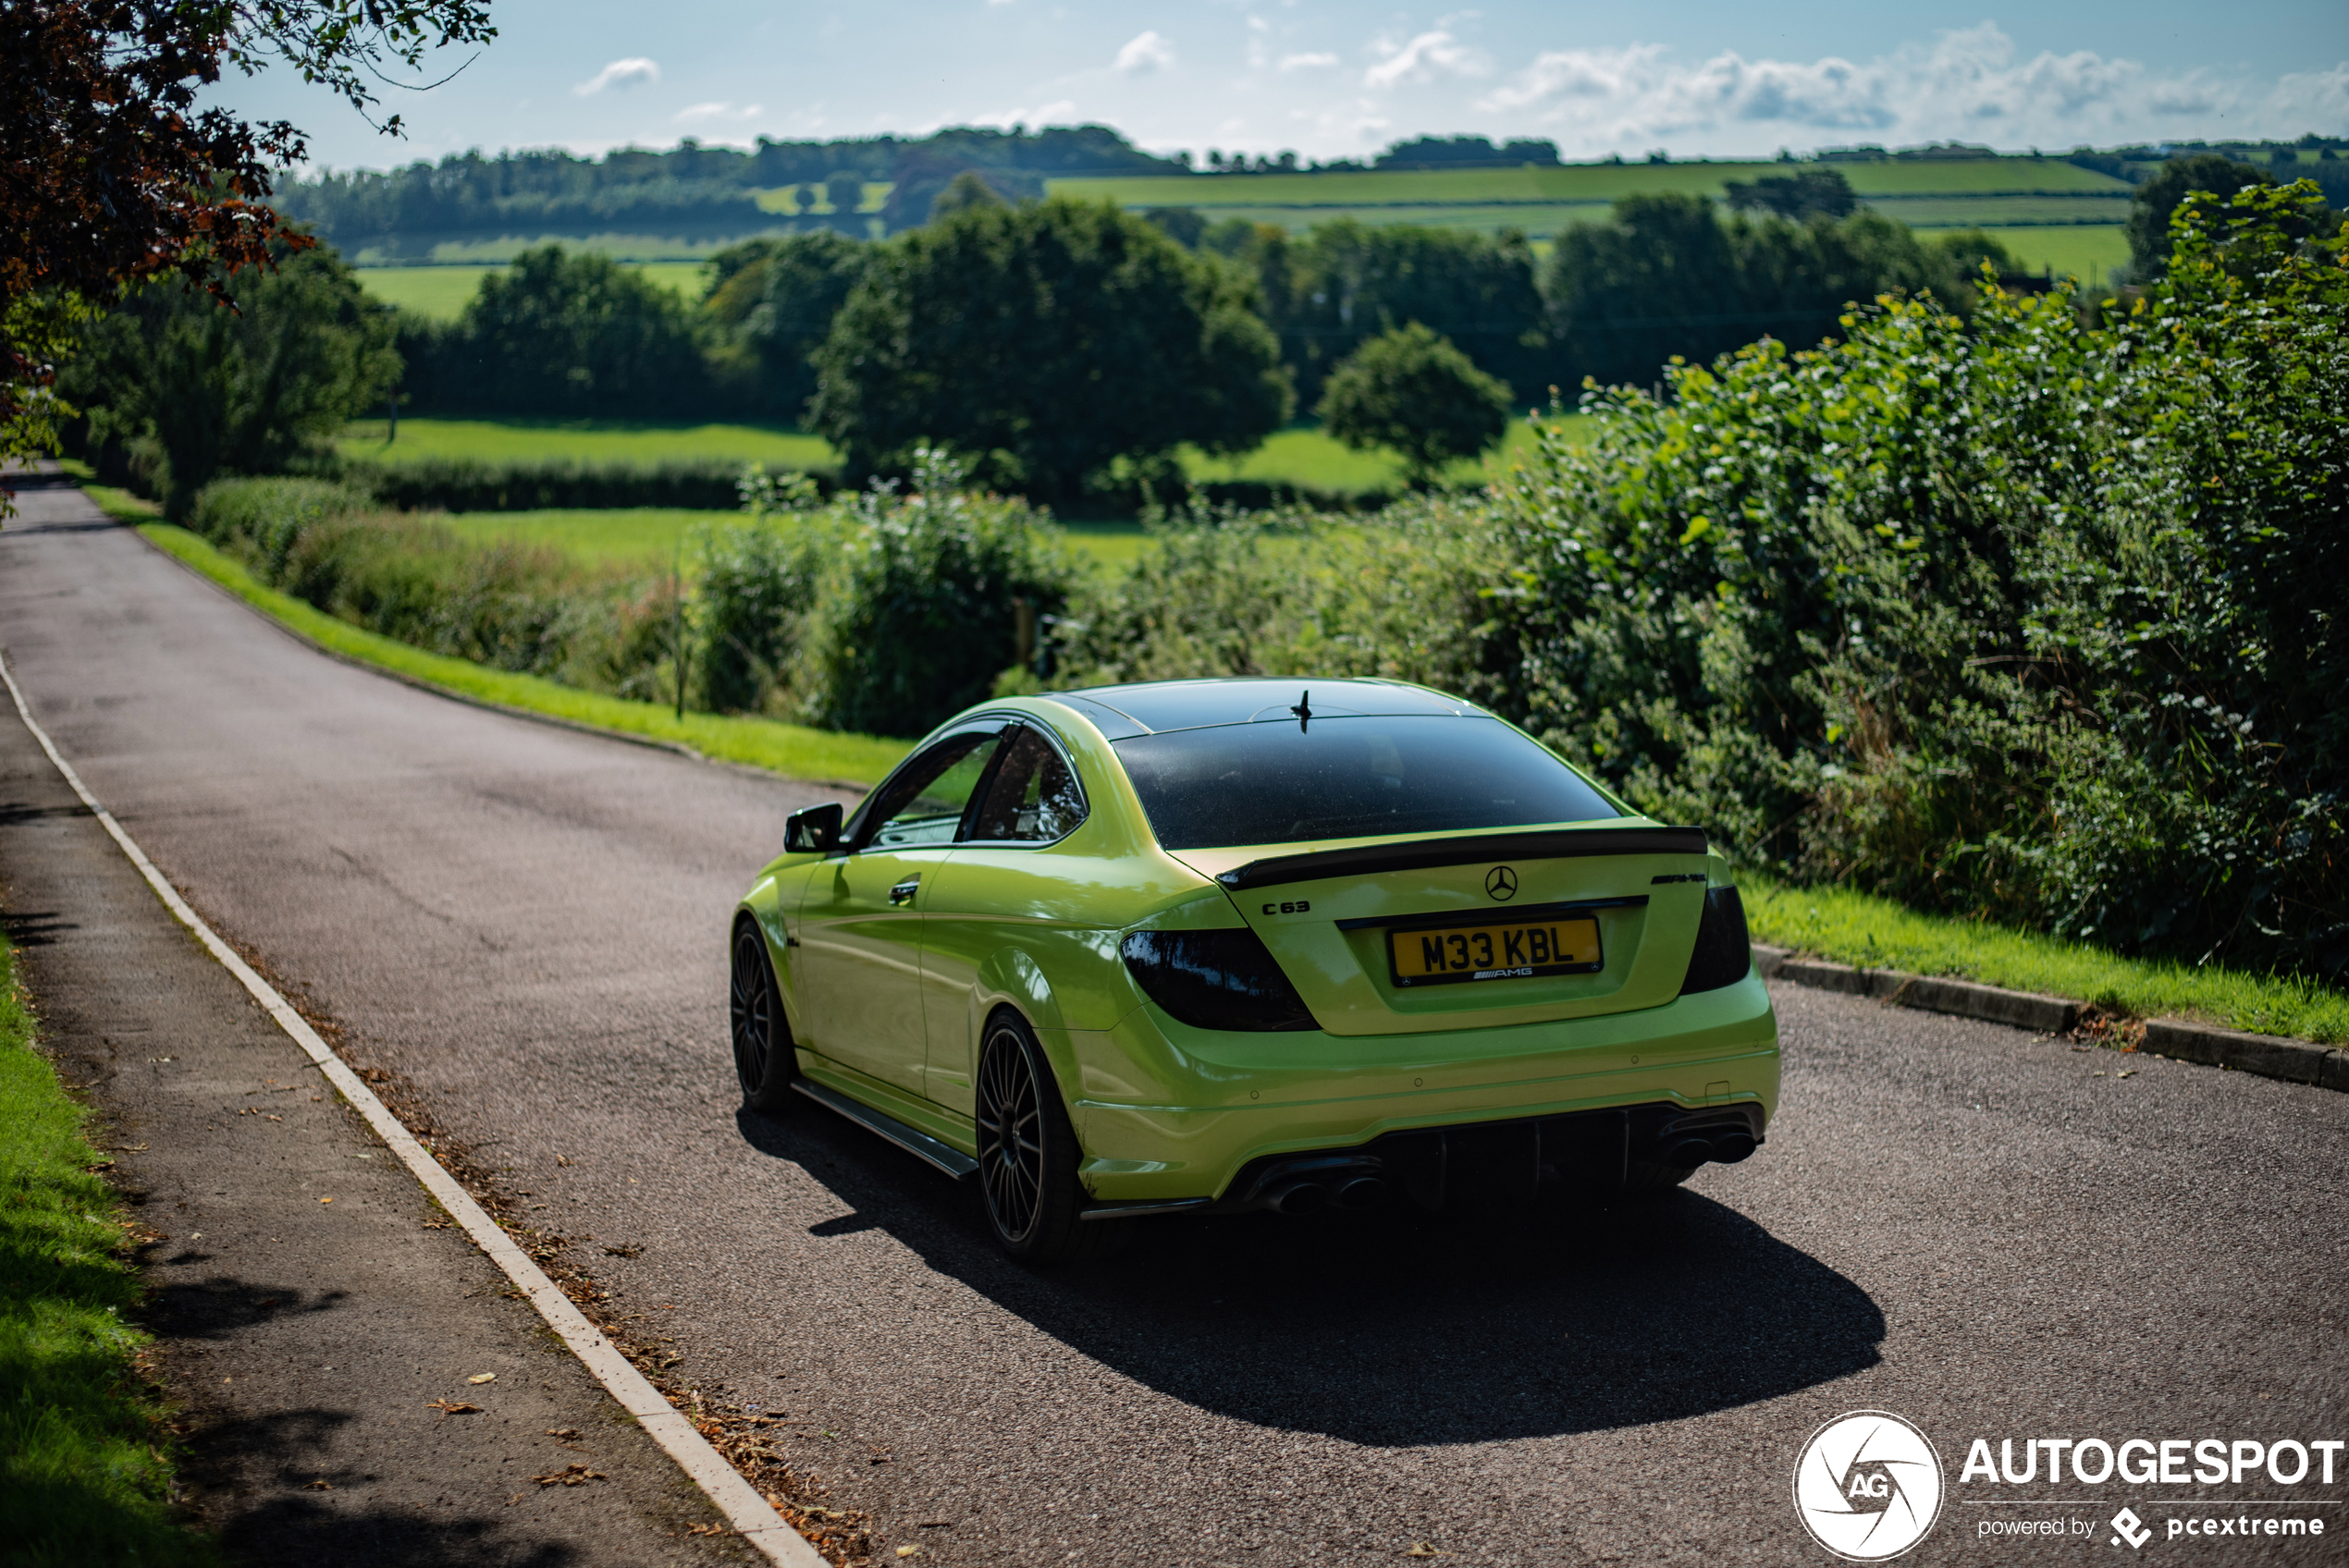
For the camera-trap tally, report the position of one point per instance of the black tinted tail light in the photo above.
(1724, 951)
(1215, 980)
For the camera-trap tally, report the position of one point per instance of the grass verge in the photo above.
(786, 749)
(84, 1474)
(1875, 933)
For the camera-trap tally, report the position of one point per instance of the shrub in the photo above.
(1410, 596)
(920, 616)
(2037, 621)
(531, 610)
(1411, 390)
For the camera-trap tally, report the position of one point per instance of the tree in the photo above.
(968, 190)
(778, 308)
(1045, 343)
(845, 192)
(1346, 283)
(573, 333)
(112, 174)
(190, 391)
(1411, 390)
(1667, 276)
(2149, 227)
(1796, 196)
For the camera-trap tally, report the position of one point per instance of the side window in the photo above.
(925, 804)
(1034, 796)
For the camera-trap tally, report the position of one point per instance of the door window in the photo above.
(925, 804)
(1034, 797)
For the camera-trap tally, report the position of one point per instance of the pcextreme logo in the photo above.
(1867, 1486)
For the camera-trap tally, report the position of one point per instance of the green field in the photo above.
(1299, 456)
(780, 199)
(582, 441)
(2085, 252)
(442, 292)
(1574, 183)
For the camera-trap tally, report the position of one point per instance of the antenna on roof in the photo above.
(1304, 710)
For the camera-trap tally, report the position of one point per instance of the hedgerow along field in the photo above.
(1958, 194)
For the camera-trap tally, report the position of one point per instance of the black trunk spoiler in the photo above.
(1556, 843)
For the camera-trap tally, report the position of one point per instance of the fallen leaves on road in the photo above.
(571, 1475)
(450, 1407)
(909, 1551)
(325, 1200)
(1425, 1548)
(320, 1485)
(562, 1431)
(624, 1252)
(708, 1530)
(483, 1377)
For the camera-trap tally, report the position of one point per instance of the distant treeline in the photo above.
(562, 333)
(691, 191)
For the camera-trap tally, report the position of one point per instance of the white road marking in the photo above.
(746, 1512)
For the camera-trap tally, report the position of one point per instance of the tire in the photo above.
(1028, 1153)
(765, 1063)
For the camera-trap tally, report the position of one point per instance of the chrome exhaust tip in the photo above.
(1297, 1197)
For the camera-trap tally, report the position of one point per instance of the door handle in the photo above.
(903, 892)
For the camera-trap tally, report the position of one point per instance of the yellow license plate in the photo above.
(1504, 950)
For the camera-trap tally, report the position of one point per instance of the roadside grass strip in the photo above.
(1869, 932)
(85, 1471)
(817, 755)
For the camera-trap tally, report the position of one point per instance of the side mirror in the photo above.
(815, 830)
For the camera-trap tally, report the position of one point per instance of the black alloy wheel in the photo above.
(1028, 1153)
(1011, 1137)
(763, 1060)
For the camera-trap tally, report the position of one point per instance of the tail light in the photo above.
(1215, 980)
(1724, 951)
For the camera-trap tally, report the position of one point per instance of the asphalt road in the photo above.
(1992, 1234)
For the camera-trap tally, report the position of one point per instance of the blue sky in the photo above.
(1329, 80)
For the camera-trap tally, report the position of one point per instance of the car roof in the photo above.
(1155, 707)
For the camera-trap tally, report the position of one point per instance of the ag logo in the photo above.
(1501, 882)
(1868, 1486)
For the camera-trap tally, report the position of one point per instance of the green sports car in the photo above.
(1227, 945)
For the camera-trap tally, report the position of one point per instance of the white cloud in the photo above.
(1146, 53)
(1058, 109)
(620, 73)
(1424, 58)
(1967, 85)
(720, 110)
(1313, 61)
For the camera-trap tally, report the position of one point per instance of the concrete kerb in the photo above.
(748, 1513)
(2295, 1061)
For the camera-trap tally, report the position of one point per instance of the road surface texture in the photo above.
(1992, 1234)
(313, 1303)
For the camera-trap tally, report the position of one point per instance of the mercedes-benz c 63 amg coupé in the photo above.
(1213, 945)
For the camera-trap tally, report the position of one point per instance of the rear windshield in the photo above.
(1240, 784)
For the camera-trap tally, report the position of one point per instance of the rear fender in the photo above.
(1008, 978)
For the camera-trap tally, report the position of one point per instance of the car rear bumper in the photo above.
(1166, 1113)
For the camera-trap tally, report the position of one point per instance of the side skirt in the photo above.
(920, 1144)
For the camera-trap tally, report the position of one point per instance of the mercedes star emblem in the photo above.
(1501, 882)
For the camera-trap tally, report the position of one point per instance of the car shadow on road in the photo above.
(1394, 1328)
